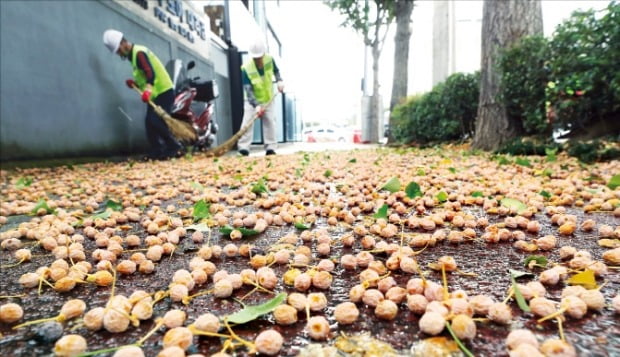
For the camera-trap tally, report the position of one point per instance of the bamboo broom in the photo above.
(230, 143)
(180, 129)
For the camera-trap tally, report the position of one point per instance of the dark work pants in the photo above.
(157, 132)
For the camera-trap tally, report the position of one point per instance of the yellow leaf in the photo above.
(609, 243)
(434, 346)
(585, 278)
(445, 162)
(289, 276)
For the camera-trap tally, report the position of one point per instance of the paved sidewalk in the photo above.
(293, 147)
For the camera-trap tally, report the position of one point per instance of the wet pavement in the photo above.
(597, 334)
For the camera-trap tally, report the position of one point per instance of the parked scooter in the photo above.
(194, 102)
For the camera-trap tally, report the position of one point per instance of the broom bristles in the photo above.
(180, 129)
(185, 132)
(230, 143)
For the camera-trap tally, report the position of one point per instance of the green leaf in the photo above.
(413, 190)
(200, 210)
(585, 278)
(477, 194)
(545, 194)
(260, 187)
(103, 215)
(503, 160)
(420, 172)
(113, 205)
(520, 300)
(41, 204)
(328, 173)
(382, 212)
(353, 160)
(250, 313)
(198, 227)
(442, 196)
(298, 173)
(594, 178)
(196, 186)
(301, 226)
(551, 151)
(306, 160)
(523, 162)
(519, 274)
(23, 182)
(393, 185)
(547, 172)
(452, 170)
(540, 260)
(458, 342)
(614, 182)
(514, 204)
(244, 231)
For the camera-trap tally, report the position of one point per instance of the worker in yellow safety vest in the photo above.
(150, 75)
(257, 76)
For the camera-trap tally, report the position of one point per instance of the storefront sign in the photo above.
(180, 19)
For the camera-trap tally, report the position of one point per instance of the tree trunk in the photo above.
(503, 23)
(402, 10)
(373, 134)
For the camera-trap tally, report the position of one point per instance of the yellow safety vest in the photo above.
(162, 81)
(262, 85)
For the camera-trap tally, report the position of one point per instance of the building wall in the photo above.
(62, 91)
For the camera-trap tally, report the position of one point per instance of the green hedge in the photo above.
(447, 112)
(585, 68)
(524, 78)
(567, 82)
(571, 80)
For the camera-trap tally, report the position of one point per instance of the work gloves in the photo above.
(280, 86)
(146, 95)
(259, 110)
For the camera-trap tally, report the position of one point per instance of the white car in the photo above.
(320, 134)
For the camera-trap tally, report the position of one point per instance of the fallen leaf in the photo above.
(250, 313)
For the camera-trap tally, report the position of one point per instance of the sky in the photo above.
(323, 63)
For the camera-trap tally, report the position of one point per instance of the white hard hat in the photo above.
(257, 48)
(112, 39)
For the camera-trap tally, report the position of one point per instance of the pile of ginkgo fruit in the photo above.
(301, 222)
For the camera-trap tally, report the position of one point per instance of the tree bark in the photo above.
(402, 10)
(503, 23)
(373, 136)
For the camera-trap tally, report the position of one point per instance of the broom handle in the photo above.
(228, 144)
(151, 103)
